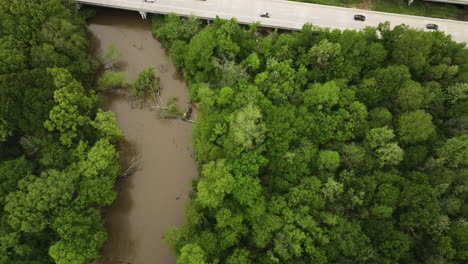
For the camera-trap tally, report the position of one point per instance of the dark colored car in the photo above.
(359, 17)
(265, 14)
(432, 26)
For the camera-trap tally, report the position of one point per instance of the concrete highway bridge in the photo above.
(283, 14)
(458, 2)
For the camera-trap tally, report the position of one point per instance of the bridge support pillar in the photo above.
(79, 5)
(143, 14)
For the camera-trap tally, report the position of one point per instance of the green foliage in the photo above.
(329, 160)
(172, 110)
(175, 28)
(5, 130)
(216, 183)
(323, 146)
(146, 85)
(12, 55)
(414, 127)
(322, 96)
(324, 52)
(110, 57)
(457, 92)
(247, 127)
(390, 154)
(11, 172)
(51, 181)
(454, 152)
(72, 109)
(378, 137)
(191, 254)
(106, 124)
(111, 80)
(380, 117)
(81, 236)
(412, 48)
(410, 96)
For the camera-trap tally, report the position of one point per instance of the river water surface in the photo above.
(154, 196)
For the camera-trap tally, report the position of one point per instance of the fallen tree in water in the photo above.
(146, 85)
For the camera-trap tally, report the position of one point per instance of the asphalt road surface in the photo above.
(284, 14)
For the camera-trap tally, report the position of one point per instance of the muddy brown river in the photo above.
(155, 195)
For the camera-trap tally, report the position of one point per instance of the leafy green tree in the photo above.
(191, 254)
(111, 80)
(412, 48)
(322, 96)
(329, 160)
(81, 236)
(106, 124)
(414, 127)
(5, 130)
(177, 53)
(227, 72)
(415, 155)
(12, 55)
(322, 53)
(72, 108)
(98, 169)
(252, 62)
(390, 154)
(348, 243)
(460, 244)
(457, 92)
(359, 115)
(110, 57)
(46, 56)
(332, 190)
(240, 256)
(410, 96)
(355, 157)
(380, 117)
(38, 197)
(378, 137)
(380, 140)
(62, 34)
(146, 84)
(198, 57)
(216, 182)
(247, 190)
(175, 28)
(11, 172)
(247, 127)
(419, 206)
(454, 153)
(382, 84)
(277, 82)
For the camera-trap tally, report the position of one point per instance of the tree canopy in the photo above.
(323, 146)
(58, 161)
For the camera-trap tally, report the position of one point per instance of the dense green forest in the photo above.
(323, 146)
(58, 162)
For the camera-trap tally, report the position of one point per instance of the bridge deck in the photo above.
(284, 14)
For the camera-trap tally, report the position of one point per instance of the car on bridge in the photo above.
(359, 17)
(265, 14)
(432, 26)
